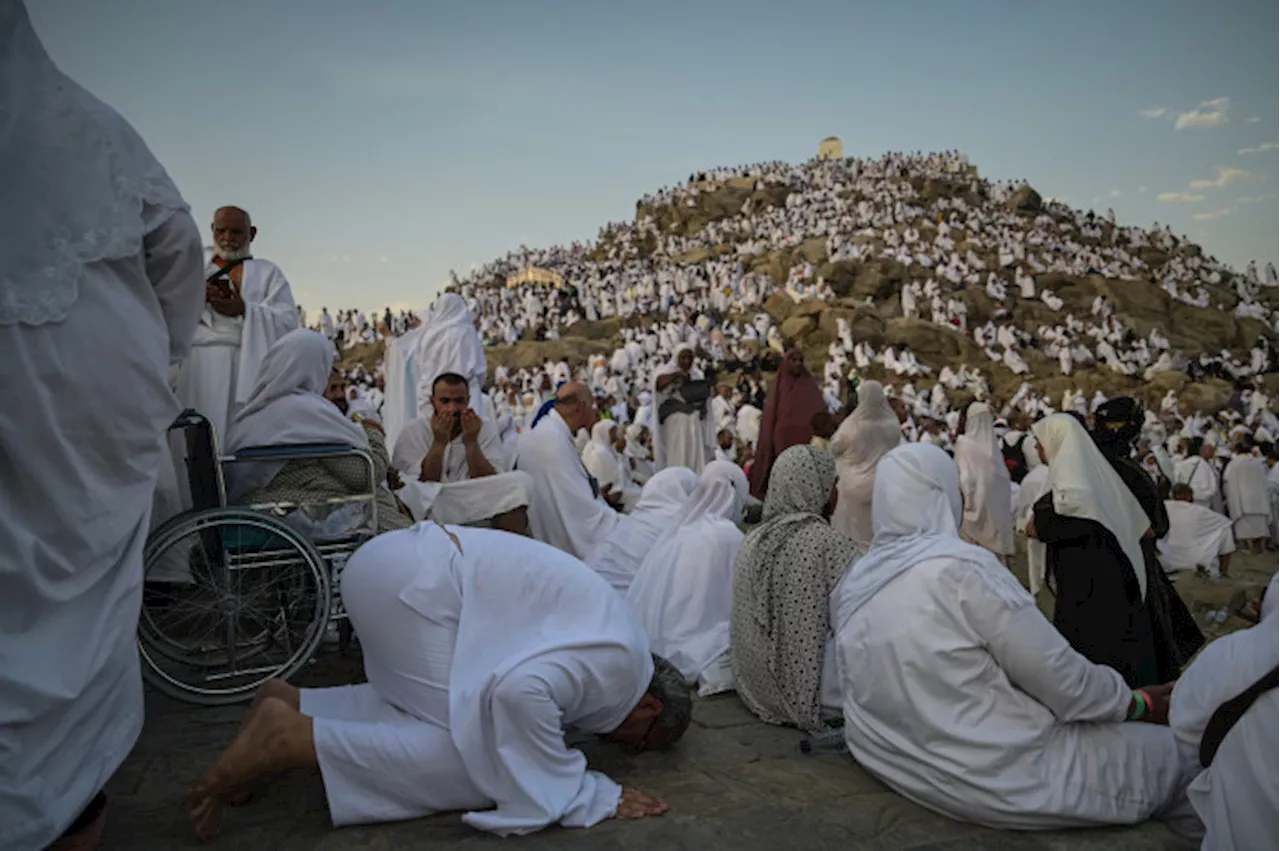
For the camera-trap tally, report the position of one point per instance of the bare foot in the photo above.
(271, 740)
(280, 690)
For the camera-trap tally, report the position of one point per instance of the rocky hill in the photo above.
(867, 295)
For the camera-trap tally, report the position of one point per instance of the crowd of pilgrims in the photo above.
(800, 550)
(836, 554)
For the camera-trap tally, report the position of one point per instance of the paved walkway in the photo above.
(733, 782)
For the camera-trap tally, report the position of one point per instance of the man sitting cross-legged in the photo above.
(544, 644)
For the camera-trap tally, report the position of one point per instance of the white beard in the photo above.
(227, 255)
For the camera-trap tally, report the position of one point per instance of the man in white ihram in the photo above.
(480, 649)
(95, 239)
(248, 306)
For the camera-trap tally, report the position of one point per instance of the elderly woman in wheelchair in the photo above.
(300, 399)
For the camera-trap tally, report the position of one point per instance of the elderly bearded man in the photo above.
(248, 306)
(541, 644)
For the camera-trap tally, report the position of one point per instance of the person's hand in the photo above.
(214, 291)
(1149, 534)
(442, 427)
(1158, 707)
(635, 804)
(1031, 528)
(610, 496)
(471, 423)
(231, 306)
(393, 479)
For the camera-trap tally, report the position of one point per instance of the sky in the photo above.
(379, 144)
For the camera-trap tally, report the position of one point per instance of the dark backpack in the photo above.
(1015, 460)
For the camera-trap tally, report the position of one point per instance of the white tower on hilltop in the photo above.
(831, 148)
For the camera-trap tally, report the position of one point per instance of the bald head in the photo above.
(576, 405)
(233, 232)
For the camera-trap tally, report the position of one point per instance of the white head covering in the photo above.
(916, 514)
(471, 500)
(75, 176)
(287, 408)
(450, 343)
(600, 458)
(721, 493)
(858, 445)
(1085, 485)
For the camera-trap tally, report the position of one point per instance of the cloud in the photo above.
(1142, 190)
(1265, 146)
(1256, 199)
(1179, 198)
(1154, 112)
(1211, 215)
(1225, 176)
(1252, 119)
(1114, 193)
(1210, 113)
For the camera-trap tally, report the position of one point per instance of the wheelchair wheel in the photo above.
(232, 598)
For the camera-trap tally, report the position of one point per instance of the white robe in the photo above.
(682, 593)
(416, 439)
(999, 721)
(81, 456)
(563, 511)
(226, 354)
(1197, 537)
(449, 342)
(546, 645)
(1203, 479)
(1245, 484)
(400, 406)
(682, 440)
(984, 483)
(1236, 795)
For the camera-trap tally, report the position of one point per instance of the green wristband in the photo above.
(1140, 709)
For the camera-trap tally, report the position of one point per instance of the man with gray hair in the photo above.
(248, 306)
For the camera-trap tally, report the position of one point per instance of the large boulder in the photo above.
(1025, 200)
(779, 306)
(813, 250)
(797, 327)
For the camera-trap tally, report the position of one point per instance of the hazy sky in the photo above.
(380, 143)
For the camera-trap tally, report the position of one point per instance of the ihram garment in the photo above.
(1236, 795)
(543, 645)
(564, 510)
(682, 591)
(1197, 537)
(226, 355)
(1091, 524)
(400, 404)
(783, 653)
(961, 697)
(1245, 484)
(450, 343)
(681, 440)
(984, 483)
(656, 513)
(862, 439)
(100, 292)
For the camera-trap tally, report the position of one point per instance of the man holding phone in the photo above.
(450, 442)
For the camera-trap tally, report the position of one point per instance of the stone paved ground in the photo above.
(733, 782)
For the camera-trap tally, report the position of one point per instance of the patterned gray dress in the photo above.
(783, 577)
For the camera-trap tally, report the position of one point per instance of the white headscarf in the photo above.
(601, 459)
(988, 508)
(721, 493)
(1085, 485)
(858, 445)
(450, 343)
(916, 516)
(75, 176)
(287, 408)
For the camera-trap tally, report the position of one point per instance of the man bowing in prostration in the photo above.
(248, 306)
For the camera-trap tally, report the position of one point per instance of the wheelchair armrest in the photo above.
(284, 453)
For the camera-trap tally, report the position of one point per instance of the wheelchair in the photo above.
(235, 595)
